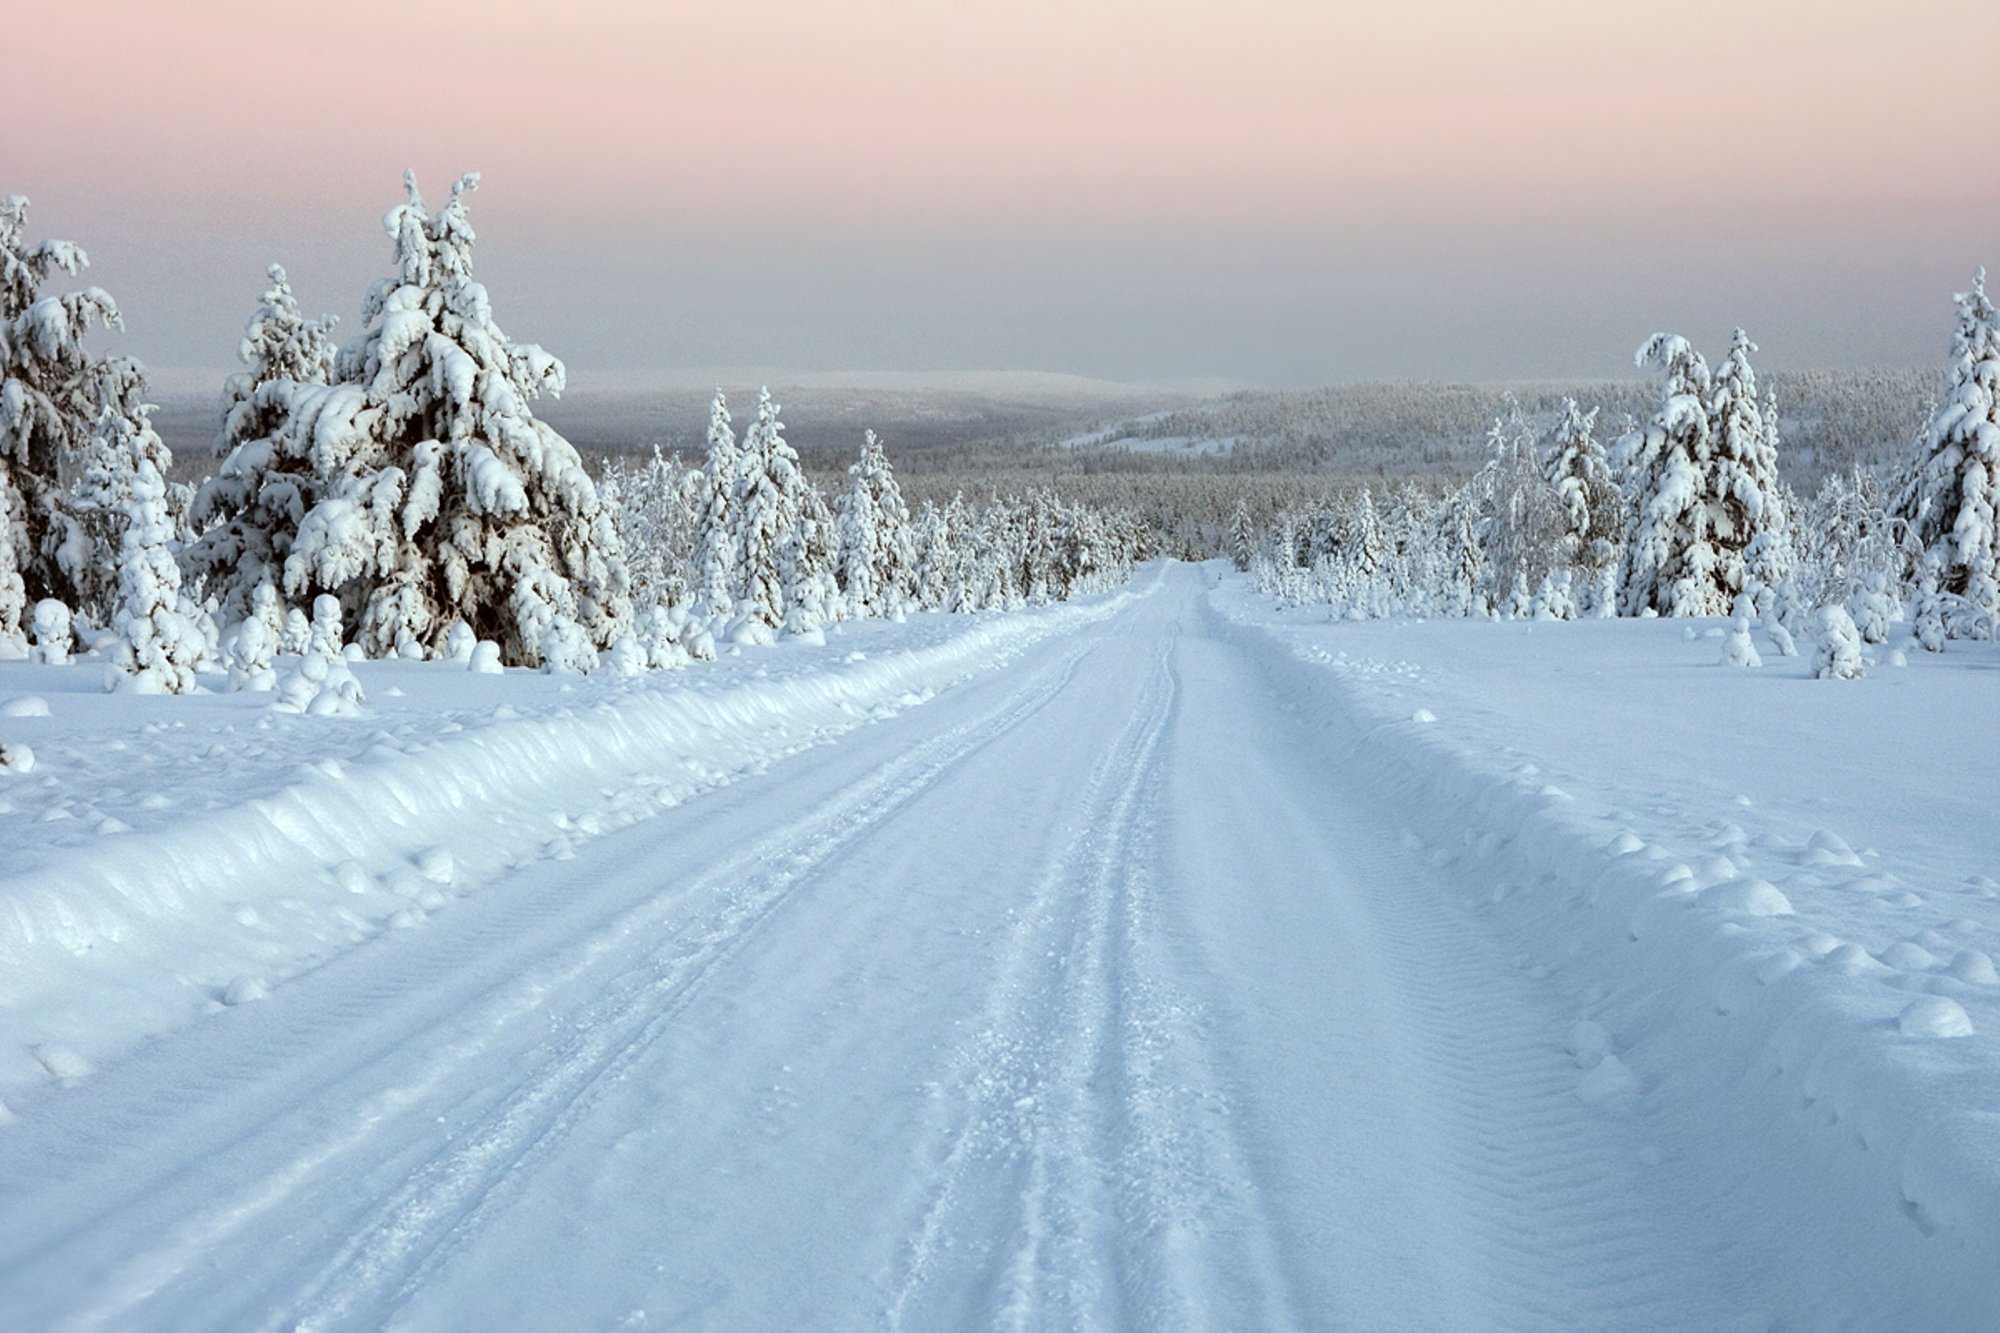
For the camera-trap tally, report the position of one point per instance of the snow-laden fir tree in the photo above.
(714, 491)
(931, 575)
(652, 506)
(247, 515)
(1671, 563)
(1242, 535)
(445, 498)
(1592, 508)
(51, 405)
(1522, 521)
(876, 556)
(771, 544)
(1950, 496)
(1745, 503)
(1771, 557)
(159, 639)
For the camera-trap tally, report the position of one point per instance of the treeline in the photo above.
(1834, 421)
(1685, 515)
(397, 495)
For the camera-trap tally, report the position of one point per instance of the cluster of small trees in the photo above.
(746, 544)
(1684, 516)
(397, 496)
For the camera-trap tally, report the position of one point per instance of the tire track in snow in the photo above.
(1529, 1208)
(442, 1196)
(443, 1202)
(1084, 1108)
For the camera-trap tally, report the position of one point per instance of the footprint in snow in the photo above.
(61, 1062)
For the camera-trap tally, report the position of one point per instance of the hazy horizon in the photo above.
(1278, 193)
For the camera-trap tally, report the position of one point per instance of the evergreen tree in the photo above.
(52, 400)
(444, 497)
(1670, 561)
(771, 543)
(159, 639)
(1745, 505)
(714, 490)
(1950, 496)
(653, 508)
(876, 556)
(1242, 535)
(1592, 509)
(247, 515)
(931, 570)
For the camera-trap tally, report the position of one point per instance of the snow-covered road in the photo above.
(1102, 991)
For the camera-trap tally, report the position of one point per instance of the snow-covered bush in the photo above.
(54, 633)
(320, 681)
(1838, 654)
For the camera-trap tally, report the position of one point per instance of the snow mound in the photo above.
(1608, 1080)
(1974, 968)
(26, 705)
(1934, 1016)
(1747, 897)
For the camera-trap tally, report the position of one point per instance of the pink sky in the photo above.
(1043, 183)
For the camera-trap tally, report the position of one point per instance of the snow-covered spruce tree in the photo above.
(159, 640)
(1592, 508)
(651, 506)
(931, 570)
(102, 502)
(1463, 566)
(1771, 557)
(876, 556)
(1522, 521)
(1950, 496)
(247, 515)
(771, 543)
(51, 405)
(445, 498)
(806, 565)
(713, 492)
(1670, 559)
(1242, 535)
(1745, 504)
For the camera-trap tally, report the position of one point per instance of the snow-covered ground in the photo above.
(1130, 435)
(1162, 960)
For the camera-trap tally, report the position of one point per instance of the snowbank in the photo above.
(1800, 980)
(174, 856)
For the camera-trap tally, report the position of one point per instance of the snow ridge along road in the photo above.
(1105, 990)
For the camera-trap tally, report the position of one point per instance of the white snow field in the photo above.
(1158, 961)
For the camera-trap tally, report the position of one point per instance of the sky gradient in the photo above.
(1277, 191)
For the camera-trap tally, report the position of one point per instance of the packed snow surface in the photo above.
(1162, 960)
